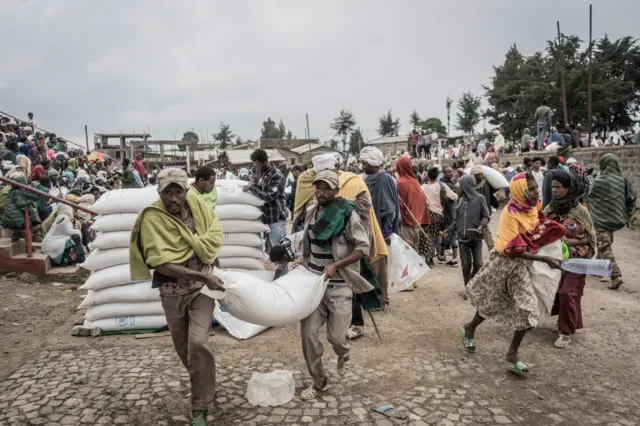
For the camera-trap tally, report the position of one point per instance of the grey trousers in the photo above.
(470, 259)
(189, 320)
(335, 311)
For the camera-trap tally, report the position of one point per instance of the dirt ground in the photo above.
(38, 316)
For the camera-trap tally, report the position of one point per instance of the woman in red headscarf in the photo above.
(504, 288)
(413, 203)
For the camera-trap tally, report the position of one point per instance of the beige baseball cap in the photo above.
(329, 177)
(172, 175)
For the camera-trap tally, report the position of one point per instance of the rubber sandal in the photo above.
(452, 263)
(519, 368)
(562, 341)
(469, 344)
(616, 283)
(200, 419)
(311, 392)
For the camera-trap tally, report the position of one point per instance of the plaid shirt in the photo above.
(270, 188)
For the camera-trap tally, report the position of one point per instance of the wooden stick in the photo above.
(375, 326)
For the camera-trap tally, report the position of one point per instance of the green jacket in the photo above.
(17, 200)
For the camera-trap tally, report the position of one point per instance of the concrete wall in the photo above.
(628, 159)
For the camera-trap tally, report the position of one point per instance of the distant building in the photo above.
(390, 145)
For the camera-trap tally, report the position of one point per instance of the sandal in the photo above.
(311, 392)
(200, 419)
(563, 341)
(469, 344)
(616, 283)
(453, 263)
(355, 331)
(519, 368)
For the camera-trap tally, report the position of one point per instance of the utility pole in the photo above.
(86, 136)
(589, 80)
(308, 133)
(564, 89)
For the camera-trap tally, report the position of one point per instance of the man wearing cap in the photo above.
(334, 242)
(179, 237)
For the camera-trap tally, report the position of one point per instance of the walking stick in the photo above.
(375, 326)
(414, 218)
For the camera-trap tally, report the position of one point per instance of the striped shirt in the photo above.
(319, 258)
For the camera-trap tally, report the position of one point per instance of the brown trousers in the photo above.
(189, 320)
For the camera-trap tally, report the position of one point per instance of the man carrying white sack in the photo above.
(179, 237)
(334, 243)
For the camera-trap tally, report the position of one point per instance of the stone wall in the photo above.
(628, 158)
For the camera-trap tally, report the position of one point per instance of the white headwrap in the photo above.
(571, 161)
(372, 156)
(324, 162)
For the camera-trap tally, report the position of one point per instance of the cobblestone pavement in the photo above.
(149, 386)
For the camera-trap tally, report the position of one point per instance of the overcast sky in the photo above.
(123, 65)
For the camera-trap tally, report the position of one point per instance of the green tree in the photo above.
(414, 119)
(468, 112)
(356, 141)
(188, 136)
(343, 125)
(224, 136)
(433, 124)
(272, 131)
(289, 135)
(333, 143)
(520, 83)
(387, 126)
(239, 141)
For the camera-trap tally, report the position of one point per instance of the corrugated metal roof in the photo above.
(387, 139)
(243, 156)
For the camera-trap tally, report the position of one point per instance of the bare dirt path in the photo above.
(48, 377)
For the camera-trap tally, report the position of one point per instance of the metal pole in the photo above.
(44, 194)
(564, 89)
(589, 80)
(27, 233)
(308, 133)
(86, 136)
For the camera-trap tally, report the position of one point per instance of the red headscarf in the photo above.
(413, 201)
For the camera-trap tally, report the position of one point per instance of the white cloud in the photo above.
(174, 66)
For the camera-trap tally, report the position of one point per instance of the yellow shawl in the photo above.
(305, 192)
(352, 185)
(161, 238)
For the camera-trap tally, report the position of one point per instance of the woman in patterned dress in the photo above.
(503, 288)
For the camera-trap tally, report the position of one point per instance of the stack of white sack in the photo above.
(114, 301)
(240, 215)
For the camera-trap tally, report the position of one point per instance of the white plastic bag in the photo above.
(405, 265)
(115, 222)
(111, 310)
(101, 259)
(128, 293)
(230, 192)
(244, 226)
(241, 251)
(546, 280)
(238, 212)
(130, 200)
(241, 263)
(271, 389)
(108, 277)
(284, 301)
(242, 239)
(237, 328)
(110, 240)
(264, 275)
(143, 322)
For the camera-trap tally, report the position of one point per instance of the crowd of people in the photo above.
(342, 219)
